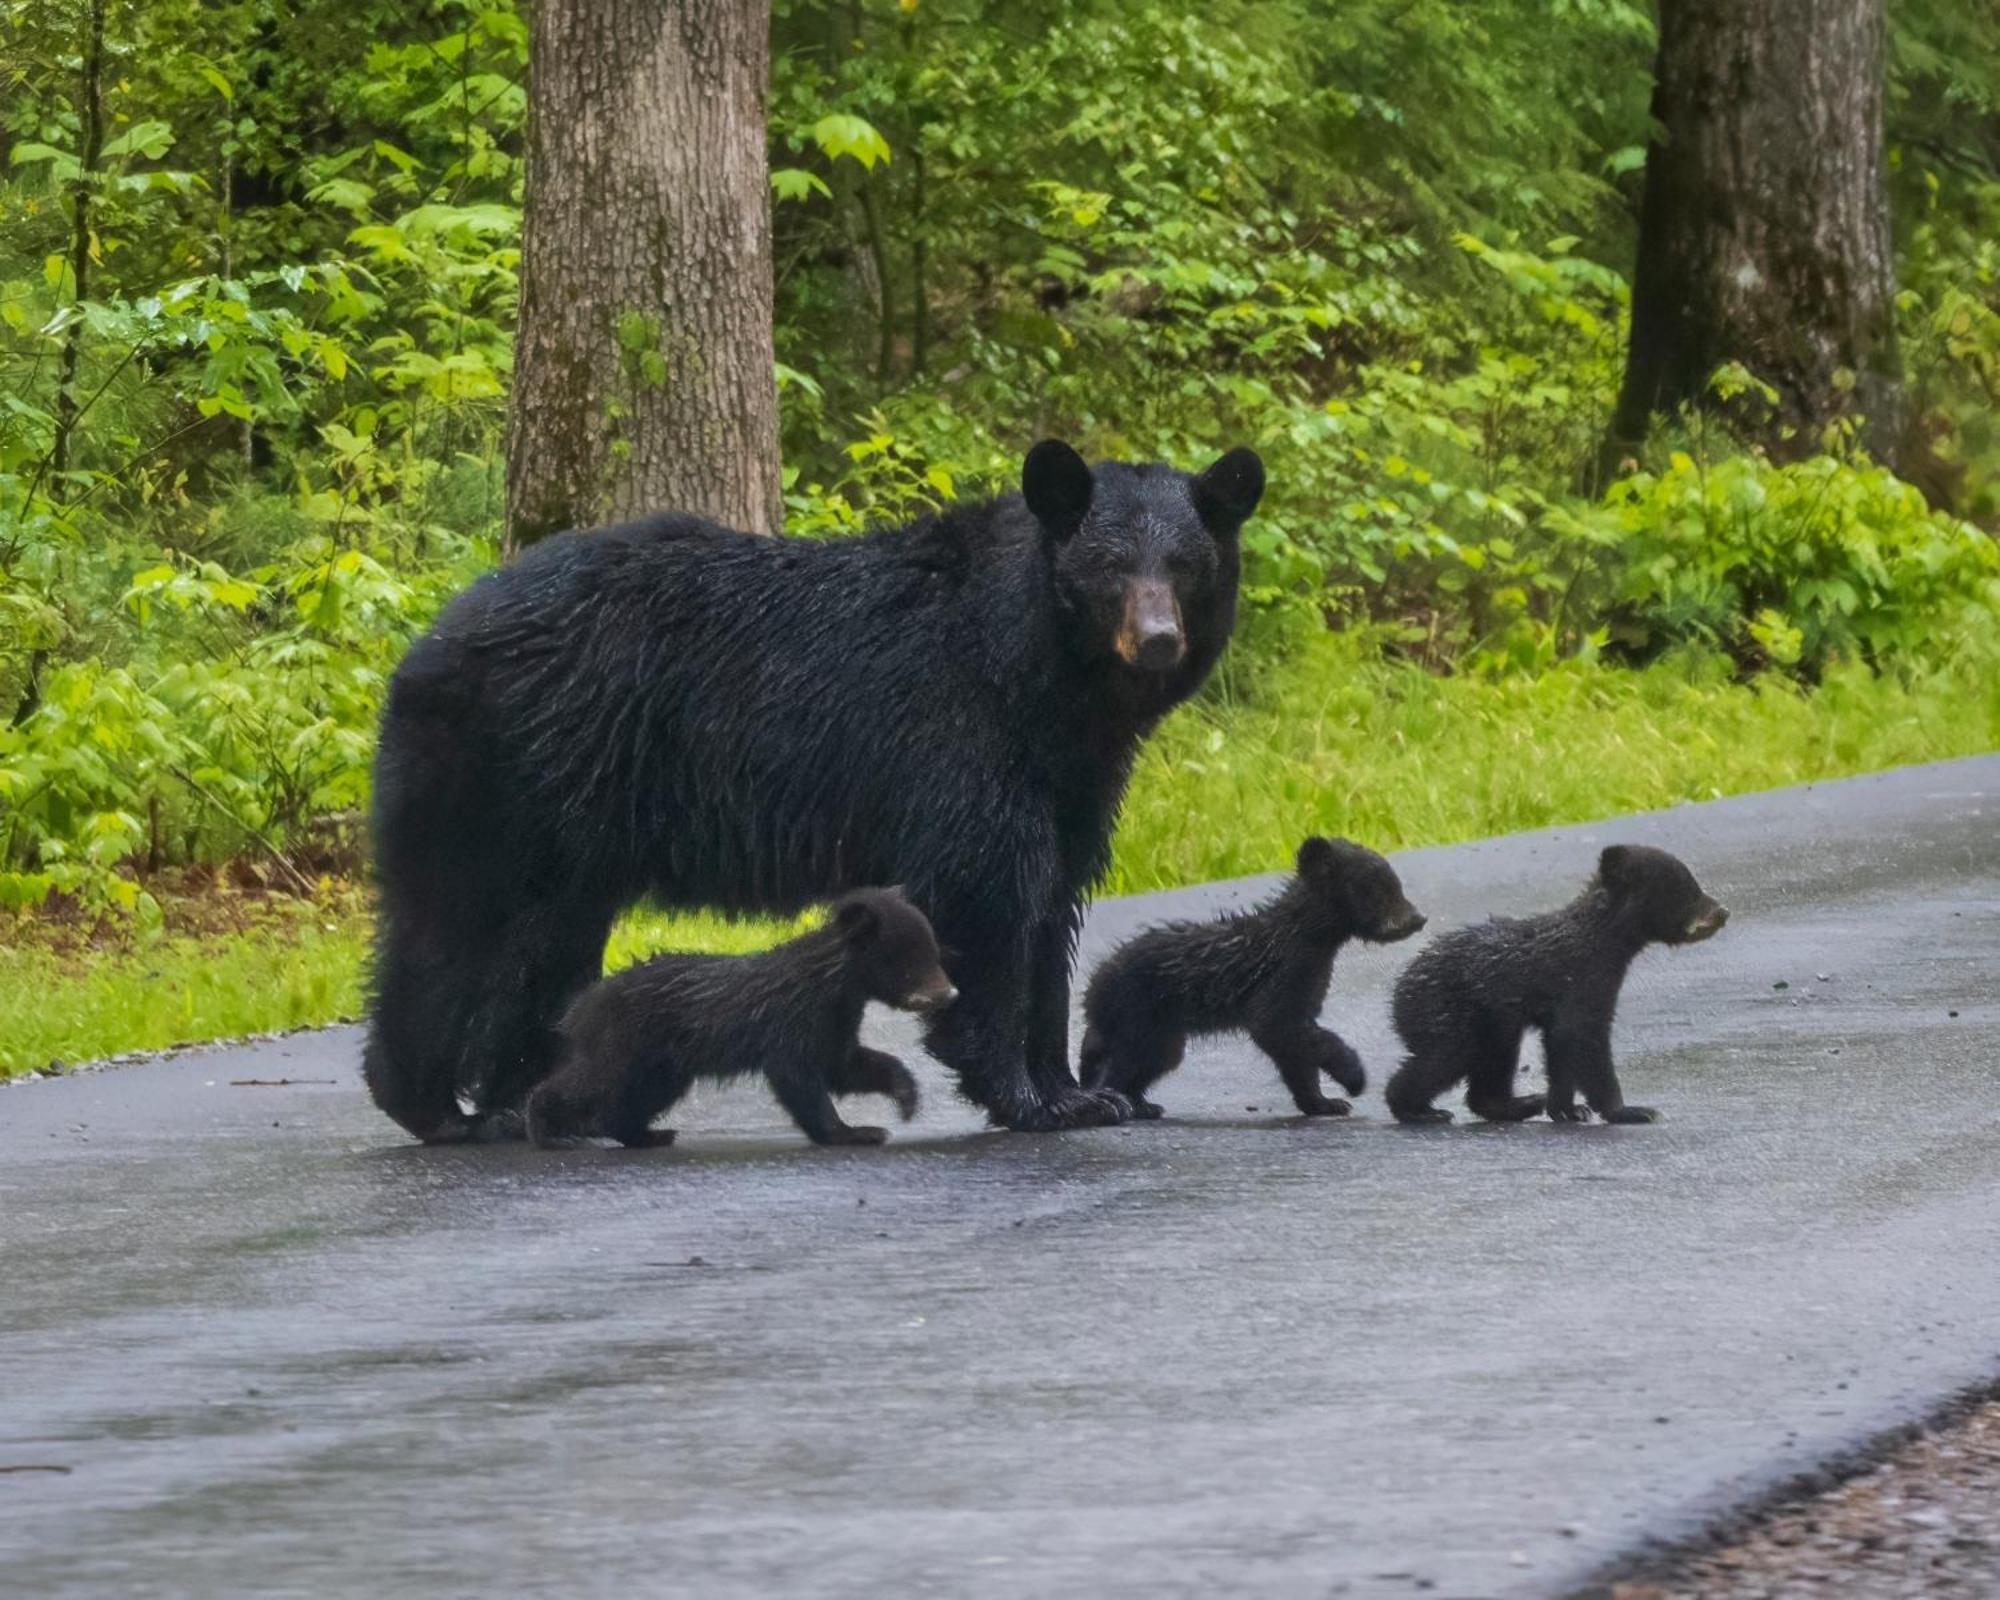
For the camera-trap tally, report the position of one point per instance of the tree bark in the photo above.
(1764, 231)
(643, 369)
(90, 150)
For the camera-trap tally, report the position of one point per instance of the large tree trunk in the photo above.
(1764, 233)
(643, 371)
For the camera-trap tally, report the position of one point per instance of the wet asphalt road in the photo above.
(283, 1353)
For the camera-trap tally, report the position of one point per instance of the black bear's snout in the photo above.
(1403, 924)
(1150, 636)
(1708, 922)
(931, 997)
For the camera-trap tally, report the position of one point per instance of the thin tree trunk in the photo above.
(644, 363)
(878, 252)
(90, 120)
(920, 306)
(1764, 232)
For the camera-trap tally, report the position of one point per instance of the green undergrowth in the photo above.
(1331, 739)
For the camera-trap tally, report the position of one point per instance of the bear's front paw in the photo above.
(1144, 1110)
(1626, 1114)
(651, 1139)
(1420, 1116)
(1568, 1113)
(1346, 1070)
(1325, 1106)
(1074, 1108)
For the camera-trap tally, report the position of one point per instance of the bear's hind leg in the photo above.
(546, 958)
(1437, 1060)
(1135, 1061)
(1489, 1088)
(415, 1052)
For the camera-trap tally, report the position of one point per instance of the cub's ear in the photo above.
(1614, 868)
(857, 920)
(1228, 491)
(1316, 858)
(1056, 483)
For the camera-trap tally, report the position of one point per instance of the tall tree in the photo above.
(1764, 232)
(644, 365)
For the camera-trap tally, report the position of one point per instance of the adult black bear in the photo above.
(674, 711)
(1264, 971)
(1462, 1006)
(636, 1042)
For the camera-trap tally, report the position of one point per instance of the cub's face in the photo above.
(1359, 888)
(1144, 557)
(1659, 894)
(893, 950)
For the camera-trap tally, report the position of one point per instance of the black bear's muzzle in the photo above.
(931, 997)
(1707, 923)
(1150, 636)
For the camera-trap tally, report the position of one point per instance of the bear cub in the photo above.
(1463, 1005)
(1264, 972)
(635, 1042)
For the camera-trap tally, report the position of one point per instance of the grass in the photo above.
(1330, 740)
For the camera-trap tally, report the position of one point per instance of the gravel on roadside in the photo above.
(1925, 1522)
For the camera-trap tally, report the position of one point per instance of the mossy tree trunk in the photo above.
(643, 375)
(1764, 231)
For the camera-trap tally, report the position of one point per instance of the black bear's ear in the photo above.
(1315, 858)
(1228, 491)
(1614, 867)
(1056, 483)
(856, 920)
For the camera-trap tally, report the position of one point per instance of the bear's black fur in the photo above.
(635, 1042)
(1264, 972)
(673, 710)
(1463, 1004)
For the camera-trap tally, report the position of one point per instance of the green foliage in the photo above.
(1797, 566)
(1335, 737)
(257, 313)
(1331, 736)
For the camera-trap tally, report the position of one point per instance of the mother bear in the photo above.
(673, 711)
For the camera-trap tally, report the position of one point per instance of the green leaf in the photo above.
(149, 139)
(842, 133)
(795, 183)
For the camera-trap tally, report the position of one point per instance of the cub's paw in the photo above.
(1325, 1106)
(1627, 1114)
(1420, 1116)
(1347, 1071)
(1568, 1113)
(1144, 1110)
(1514, 1108)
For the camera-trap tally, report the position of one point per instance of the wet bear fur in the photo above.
(675, 712)
(1462, 1006)
(636, 1041)
(1263, 972)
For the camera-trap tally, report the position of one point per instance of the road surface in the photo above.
(278, 1351)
